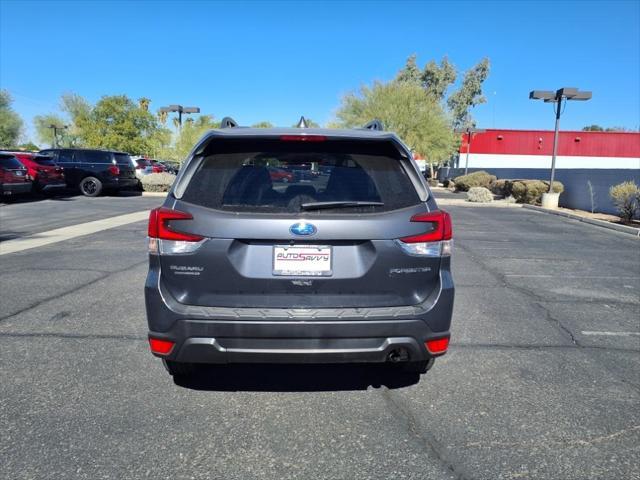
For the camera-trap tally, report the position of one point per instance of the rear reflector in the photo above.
(438, 346)
(303, 138)
(161, 347)
(159, 228)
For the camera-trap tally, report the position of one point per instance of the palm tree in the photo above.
(144, 103)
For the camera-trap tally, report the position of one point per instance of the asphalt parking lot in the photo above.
(542, 380)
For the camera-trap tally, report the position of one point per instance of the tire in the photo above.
(90, 187)
(179, 369)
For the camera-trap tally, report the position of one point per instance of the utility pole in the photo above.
(55, 129)
(557, 98)
(469, 132)
(180, 110)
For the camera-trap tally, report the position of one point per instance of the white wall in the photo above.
(485, 160)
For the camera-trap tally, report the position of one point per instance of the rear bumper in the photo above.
(15, 188)
(299, 342)
(116, 183)
(258, 335)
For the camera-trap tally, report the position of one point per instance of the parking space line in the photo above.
(612, 334)
(72, 231)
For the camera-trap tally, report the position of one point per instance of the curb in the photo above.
(600, 223)
(154, 194)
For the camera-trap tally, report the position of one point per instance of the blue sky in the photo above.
(277, 60)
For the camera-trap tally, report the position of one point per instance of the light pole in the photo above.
(180, 109)
(566, 94)
(469, 132)
(55, 129)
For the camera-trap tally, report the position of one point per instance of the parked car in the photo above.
(172, 167)
(142, 167)
(94, 171)
(157, 167)
(281, 175)
(44, 174)
(13, 176)
(355, 270)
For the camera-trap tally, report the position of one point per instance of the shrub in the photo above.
(479, 195)
(475, 179)
(626, 196)
(157, 182)
(497, 187)
(446, 182)
(529, 191)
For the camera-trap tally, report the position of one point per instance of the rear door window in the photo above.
(44, 160)
(92, 156)
(66, 156)
(285, 177)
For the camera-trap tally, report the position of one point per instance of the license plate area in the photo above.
(302, 260)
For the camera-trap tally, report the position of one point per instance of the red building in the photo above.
(533, 149)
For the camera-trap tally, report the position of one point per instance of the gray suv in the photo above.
(349, 262)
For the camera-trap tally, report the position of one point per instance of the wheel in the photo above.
(179, 369)
(91, 186)
(418, 367)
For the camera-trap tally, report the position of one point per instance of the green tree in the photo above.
(116, 122)
(190, 134)
(29, 147)
(10, 122)
(410, 72)
(406, 109)
(593, 128)
(263, 124)
(436, 79)
(44, 132)
(468, 95)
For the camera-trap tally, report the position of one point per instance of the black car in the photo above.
(352, 267)
(94, 171)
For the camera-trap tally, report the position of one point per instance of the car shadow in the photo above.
(296, 378)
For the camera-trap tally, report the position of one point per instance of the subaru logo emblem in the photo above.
(302, 228)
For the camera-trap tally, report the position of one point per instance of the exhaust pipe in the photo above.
(398, 355)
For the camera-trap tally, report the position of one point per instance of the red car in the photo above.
(157, 166)
(281, 175)
(42, 171)
(13, 176)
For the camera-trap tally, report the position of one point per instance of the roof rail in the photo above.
(374, 124)
(302, 123)
(228, 122)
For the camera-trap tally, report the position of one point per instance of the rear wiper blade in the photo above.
(339, 204)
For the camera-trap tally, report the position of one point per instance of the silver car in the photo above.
(350, 266)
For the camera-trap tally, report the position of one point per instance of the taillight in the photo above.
(165, 239)
(433, 243)
(114, 170)
(438, 346)
(303, 138)
(161, 347)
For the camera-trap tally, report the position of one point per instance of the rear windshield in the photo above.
(142, 162)
(10, 162)
(286, 177)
